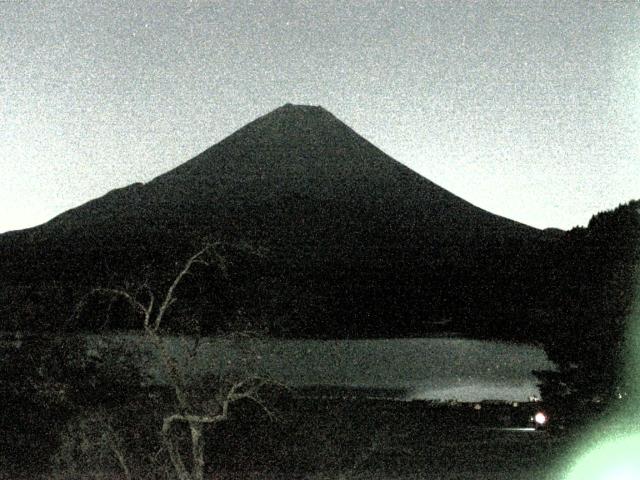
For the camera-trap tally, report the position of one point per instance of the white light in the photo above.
(540, 418)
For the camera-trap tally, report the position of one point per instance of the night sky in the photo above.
(530, 110)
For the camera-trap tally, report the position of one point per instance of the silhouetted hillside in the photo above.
(589, 296)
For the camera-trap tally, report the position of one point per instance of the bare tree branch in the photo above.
(114, 445)
(192, 412)
(169, 296)
(133, 302)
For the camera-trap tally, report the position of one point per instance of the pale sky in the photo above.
(530, 110)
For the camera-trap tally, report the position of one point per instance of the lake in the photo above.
(438, 368)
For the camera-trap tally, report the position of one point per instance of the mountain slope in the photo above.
(294, 151)
(357, 244)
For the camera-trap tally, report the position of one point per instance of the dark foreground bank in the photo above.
(304, 438)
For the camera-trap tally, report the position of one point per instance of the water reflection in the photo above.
(425, 368)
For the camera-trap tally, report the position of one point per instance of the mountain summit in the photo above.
(357, 243)
(298, 152)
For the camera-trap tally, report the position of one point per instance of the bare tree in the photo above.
(81, 447)
(191, 411)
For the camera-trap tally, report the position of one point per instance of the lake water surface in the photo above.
(440, 368)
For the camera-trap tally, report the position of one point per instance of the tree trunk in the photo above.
(197, 450)
(174, 453)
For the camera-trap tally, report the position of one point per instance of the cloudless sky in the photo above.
(530, 110)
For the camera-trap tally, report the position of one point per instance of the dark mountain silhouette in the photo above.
(356, 244)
